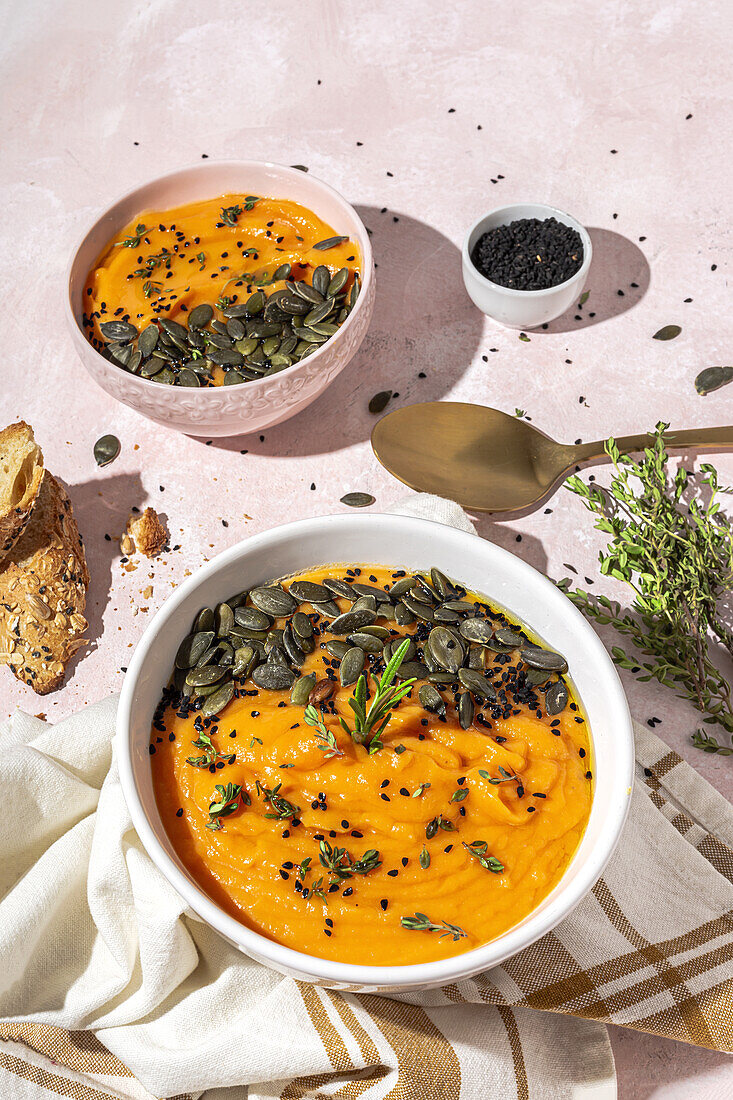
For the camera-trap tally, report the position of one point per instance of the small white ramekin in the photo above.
(412, 544)
(522, 309)
(251, 406)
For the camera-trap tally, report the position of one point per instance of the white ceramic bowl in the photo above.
(522, 308)
(253, 406)
(409, 543)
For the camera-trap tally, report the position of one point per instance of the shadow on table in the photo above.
(617, 281)
(101, 508)
(423, 322)
(527, 547)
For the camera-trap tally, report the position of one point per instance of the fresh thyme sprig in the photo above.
(504, 776)
(224, 805)
(342, 865)
(670, 542)
(132, 240)
(281, 808)
(369, 724)
(329, 746)
(421, 923)
(478, 850)
(210, 753)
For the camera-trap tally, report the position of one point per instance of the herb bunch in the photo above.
(370, 722)
(670, 542)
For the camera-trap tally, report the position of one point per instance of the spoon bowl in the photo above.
(490, 461)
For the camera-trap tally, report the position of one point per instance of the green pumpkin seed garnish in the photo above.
(668, 332)
(106, 449)
(712, 378)
(358, 500)
(330, 242)
(380, 401)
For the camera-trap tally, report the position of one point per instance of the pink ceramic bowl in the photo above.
(252, 406)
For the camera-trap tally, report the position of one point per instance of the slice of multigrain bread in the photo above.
(43, 586)
(21, 473)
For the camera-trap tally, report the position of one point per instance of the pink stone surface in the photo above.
(416, 109)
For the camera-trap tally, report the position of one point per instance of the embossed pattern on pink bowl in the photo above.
(253, 406)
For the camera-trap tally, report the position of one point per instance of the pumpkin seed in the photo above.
(106, 450)
(321, 279)
(233, 378)
(223, 619)
(173, 329)
(205, 675)
(337, 648)
(418, 608)
(404, 584)
(537, 676)
(308, 592)
(254, 304)
(273, 601)
(165, 376)
(712, 378)
(330, 242)
(215, 703)
(556, 698)
(411, 670)
(302, 626)
(351, 621)
(367, 642)
(147, 340)
(204, 620)
(200, 316)
(281, 272)
(187, 377)
(352, 664)
(273, 676)
(292, 648)
(244, 660)
(192, 647)
(431, 700)
(337, 282)
(403, 617)
(252, 618)
(122, 331)
(151, 367)
(466, 710)
(380, 632)
(446, 648)
(476, 630)
(302, 689)
(477, 683)
(329, 610)
(338, 587)
(367, 602)
(441, 678)
(445, 615)
(544, 659)
(668, 332)
(475, 657)
(318, 313)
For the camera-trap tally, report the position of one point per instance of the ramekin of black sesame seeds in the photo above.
(526, 264)
(412, 545)
(224, 370)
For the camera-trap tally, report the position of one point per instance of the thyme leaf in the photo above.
(420, 923)
(210, 753)
(225, 803)
(281, 808)
(478, 850)
(132, 240)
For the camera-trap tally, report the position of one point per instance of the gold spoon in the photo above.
(490, 461)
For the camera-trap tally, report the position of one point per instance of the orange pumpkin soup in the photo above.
(408, 840)
(212, 281)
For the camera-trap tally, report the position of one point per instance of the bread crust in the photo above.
(21, 474)
(149, 533)
(43, 586)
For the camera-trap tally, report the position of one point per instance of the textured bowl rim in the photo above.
(552, 211)
(213, 392)
(417, 974)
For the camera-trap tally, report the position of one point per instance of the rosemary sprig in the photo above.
(369, 724)
(281, 808)
(132, 240)
(670, 542)
(329, 745)
(210, 753)
(478, 850)
(224, 805)
(421, 923)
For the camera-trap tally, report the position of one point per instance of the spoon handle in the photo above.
(707, 439)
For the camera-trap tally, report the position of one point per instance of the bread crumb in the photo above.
(148, 532)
